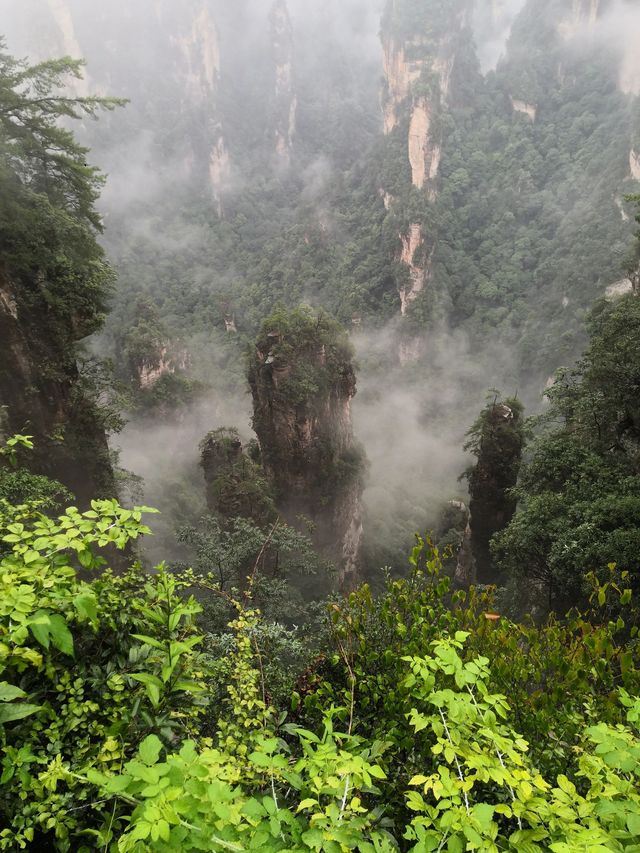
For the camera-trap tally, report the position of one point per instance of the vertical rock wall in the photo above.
(284, 92)
(39, 386)
(400, 74)
(69, 43)
(419, 269)
(580, 15)
(405, 65)
(198, 47)
(418, 67)
(302, 381)
(498, 444)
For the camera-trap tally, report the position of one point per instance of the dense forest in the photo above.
(320, 426)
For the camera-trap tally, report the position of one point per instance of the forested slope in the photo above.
(269, 686)
(448, 181)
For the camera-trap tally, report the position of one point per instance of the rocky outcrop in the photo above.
(201, 54)
(63, 18)
(418, 71)
(147, 351)
(387, 198)
(412, 257)
(405, 65)
(497, 440)
(417, 83)
(198, 47)
(623, 213)
(302, 381)
(42, 396)
(235, 484)
(618, 289)
(165, 362)
(219, 451)
(634, 164)
(453, 538)
(400, 74)
(465, 573)
(523, 107)
(424, 153)
(459, 518)
(284, 91)
(581, 15)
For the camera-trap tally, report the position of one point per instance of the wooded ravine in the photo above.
(320, 425)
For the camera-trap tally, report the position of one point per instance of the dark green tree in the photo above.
(579, 494)
(497, 440)
(36, 146)
(236, 486)
(54, 278)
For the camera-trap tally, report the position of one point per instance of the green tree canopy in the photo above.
(579, 494)
(36, 145)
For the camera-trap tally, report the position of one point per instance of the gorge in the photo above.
(320, 426)
(424, 174)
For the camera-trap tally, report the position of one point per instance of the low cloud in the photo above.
(492, 23)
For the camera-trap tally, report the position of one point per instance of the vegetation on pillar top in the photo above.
(497, 436)
(306, 352)
(236, 485)
(497, 439)
(408, 18)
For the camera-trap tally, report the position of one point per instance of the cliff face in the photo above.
(418, 71)
(523, 107)
(147, 351)
(40, 388)
(498, 443)
(405, 66)
(454, 532)
(198, 67)
(400, 73)
(435, 102)
(302, 381)
(285, 97)
(235, 484)
(419, 268)
(580, 15)
(201, 53)
(164, 362)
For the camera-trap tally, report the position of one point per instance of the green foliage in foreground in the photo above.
(18, 485)
(113, 735)
(323, 794)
